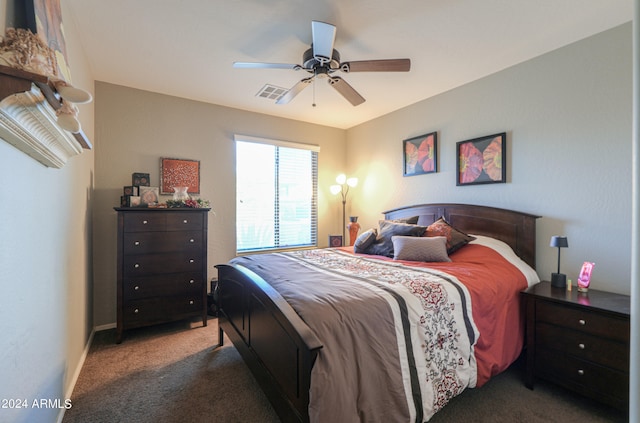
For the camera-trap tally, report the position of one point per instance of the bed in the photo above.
(334, 335)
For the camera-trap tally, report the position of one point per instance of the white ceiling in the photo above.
(186, 48)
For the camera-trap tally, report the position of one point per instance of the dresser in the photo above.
(579, 341)
(162, 266)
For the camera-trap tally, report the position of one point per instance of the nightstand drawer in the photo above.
(608, 385)
(583, 346)
(582, 320)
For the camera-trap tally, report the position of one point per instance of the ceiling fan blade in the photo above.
(346, 90)
(259, 65)
(324, 35)
(388, 65)
(294, 91)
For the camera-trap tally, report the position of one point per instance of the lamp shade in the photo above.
(559, 242)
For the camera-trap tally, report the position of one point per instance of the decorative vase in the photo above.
(180, 193)
(353, 226)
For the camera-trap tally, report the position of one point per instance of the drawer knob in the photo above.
(185, 221)
(581, 346)
(191, 240)
(191, 302)
(582, 322)
(144, 222)
(191, 260)
(136, 311)
(136, 265)
(136, 243)
(135, 288)
(581, 372)
(191, 281)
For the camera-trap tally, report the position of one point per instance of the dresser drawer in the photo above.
(590, 379)
(583, 346)
(165, 285)
(153, 264)
(160, 309)
(144, 221)
(161, 242)
(184, 221)
(586, 321)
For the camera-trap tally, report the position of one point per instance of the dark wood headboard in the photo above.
(515, 228)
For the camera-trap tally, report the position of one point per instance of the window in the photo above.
(276, 194)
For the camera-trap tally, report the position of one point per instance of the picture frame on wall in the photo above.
(179, 173)
(420, 154)
(482, 160)
(44, 18)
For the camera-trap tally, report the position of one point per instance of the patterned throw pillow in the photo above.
(455, 239)
(430, 249)
(383, 246)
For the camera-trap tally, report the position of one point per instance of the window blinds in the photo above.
(276, 194)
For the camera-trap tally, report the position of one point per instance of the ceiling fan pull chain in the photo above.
(314, 93)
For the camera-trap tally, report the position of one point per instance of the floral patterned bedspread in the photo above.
(398, 341)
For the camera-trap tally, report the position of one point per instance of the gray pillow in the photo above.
(383, 246)
(413, 248)
(365, 240)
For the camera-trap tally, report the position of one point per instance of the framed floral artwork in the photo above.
(420, 154)
(482, 160)
(179, 173)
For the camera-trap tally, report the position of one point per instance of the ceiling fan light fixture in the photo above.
(322, 61)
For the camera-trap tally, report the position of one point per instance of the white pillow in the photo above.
(417, 248)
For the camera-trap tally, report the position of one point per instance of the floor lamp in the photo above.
(342, 187)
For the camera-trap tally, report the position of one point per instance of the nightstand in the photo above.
(579, 341)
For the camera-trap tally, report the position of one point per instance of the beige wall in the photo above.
(45, 262)
(136, 128)
(568, 123)
(567, 115)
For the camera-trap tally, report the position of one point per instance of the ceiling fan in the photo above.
(322, 61)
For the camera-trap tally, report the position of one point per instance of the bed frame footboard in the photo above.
(275, 343)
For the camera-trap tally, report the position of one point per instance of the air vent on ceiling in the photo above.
(271, 92)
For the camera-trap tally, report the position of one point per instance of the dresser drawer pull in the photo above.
(135, 288)
(136, 243)
(582, 322)
(581, 346)
(191, 240)
(136, 311)
(136, 265)
(185, 221)
(144, 222)
(191, 281)
(191, 302)
(191, 260)
(581, 372)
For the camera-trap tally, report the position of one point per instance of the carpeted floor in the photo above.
(174, 373)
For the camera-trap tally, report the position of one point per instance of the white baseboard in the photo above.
(104, 327)
(76, 374)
